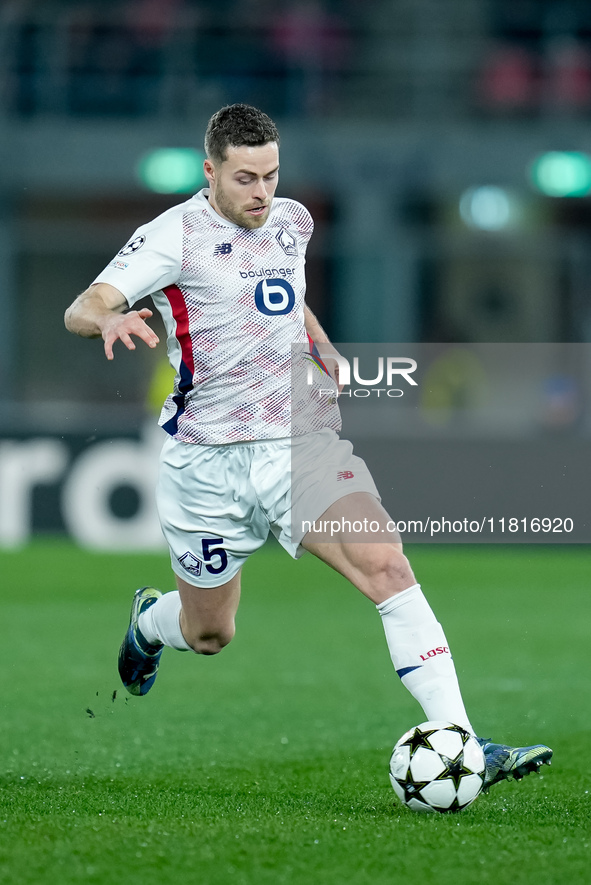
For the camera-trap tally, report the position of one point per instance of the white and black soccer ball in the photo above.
(437, 766)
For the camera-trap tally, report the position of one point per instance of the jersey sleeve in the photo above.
(303, 221)
(150, 260)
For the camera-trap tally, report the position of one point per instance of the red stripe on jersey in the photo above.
(314, 352)
(176, 299)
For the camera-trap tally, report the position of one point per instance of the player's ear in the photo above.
(209, 170)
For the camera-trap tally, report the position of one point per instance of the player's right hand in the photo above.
(121, 326)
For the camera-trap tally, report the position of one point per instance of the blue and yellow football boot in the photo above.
(504, 762)
(139, 659)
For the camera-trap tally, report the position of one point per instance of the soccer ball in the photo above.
(437, 766)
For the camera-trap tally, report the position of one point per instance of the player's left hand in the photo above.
(333, 370)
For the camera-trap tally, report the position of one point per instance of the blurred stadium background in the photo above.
(444, 150)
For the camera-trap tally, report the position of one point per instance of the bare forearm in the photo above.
(99, 313)
(327, 351)
(314, 329)
(87, 315)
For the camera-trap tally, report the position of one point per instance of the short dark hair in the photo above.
(236, 125)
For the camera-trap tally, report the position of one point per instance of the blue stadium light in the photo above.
(488, 208)
(562, 174)
(172, 170)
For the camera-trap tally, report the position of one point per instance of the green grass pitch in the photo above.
(268, 764)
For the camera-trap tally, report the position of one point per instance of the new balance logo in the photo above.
(344, 474)
(222, 249)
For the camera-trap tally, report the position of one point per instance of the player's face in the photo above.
(243, 185)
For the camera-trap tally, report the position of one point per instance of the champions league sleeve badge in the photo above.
(133, 245)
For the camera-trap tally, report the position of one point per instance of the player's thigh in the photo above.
(356, 537)
(208, 613)
(350, 523)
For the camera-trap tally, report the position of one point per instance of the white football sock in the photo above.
(160, 622)
(421, 656)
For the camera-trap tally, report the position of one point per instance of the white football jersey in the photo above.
(232, 301)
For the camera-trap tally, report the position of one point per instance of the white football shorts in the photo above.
(217, 504)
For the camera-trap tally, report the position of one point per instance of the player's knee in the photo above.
(211, 642)
(392, 568)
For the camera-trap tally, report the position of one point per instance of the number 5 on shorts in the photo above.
(209, 550)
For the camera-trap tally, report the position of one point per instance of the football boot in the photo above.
(504, 762)
(139, 659)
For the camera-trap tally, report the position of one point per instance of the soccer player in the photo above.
(226, 271)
